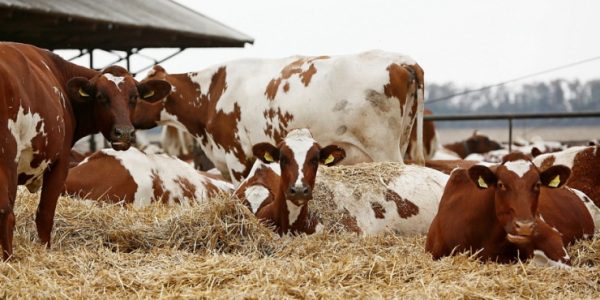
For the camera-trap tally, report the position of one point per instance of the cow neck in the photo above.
(179, 104)
(460, 148)
(282, 213)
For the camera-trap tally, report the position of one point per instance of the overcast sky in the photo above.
(470, 42)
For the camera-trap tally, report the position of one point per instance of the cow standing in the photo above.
(283, 178)
(46, 105)
(365, 103)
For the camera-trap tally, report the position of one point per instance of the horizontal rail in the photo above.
(592, 114)
(511, 117)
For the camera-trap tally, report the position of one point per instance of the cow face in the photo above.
(299, 156)
(517, 186)
(113, 95)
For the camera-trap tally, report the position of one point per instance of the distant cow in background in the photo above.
(138, 179)
(48, 103)
(281, 182)
(476, 143)
(365, 103)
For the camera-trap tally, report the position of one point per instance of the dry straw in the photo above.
(219, 250)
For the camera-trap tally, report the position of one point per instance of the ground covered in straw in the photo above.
(218, 250)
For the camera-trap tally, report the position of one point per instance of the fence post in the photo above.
(509, 134)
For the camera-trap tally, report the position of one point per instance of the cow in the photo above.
(135, 178)
(430, 141)
(365, 103)
(282, 181)
(47, 104)
(372, 198)
(476, 143)
(509, 211)
(584, 162)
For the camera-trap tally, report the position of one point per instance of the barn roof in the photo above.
(112, 25)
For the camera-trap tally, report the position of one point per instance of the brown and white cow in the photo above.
(281, 182)
(138, 179)
(585, 168)
(47, 104)
(507, 212)
(365, 103)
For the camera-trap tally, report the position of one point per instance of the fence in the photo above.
(511, 117)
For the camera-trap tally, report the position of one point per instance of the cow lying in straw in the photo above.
(137, 178)
(510, 211)
(281, 181)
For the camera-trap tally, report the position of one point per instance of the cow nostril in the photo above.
(292, 190)
(306, 190)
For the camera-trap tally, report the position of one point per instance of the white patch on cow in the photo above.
(541, 259)
(256, 195)
(519, 167)
(293, 211)
(565, 157)
(24, 129)
(60, 95)
(117, 80)
(170, 170)
(589, 204)
(299, 141)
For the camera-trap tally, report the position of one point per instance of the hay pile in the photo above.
(219, 250)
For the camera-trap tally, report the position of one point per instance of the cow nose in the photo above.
(524, 227)
(299, 191)
(123, 133)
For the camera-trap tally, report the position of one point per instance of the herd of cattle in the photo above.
(266, 125)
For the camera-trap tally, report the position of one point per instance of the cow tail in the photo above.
(420, 99)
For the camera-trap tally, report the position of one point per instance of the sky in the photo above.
(468, 42)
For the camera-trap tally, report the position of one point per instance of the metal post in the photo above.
(91, 52)
(127, 59)
(509, 135)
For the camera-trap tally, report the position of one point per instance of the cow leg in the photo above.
(54, 180)
(8, 192)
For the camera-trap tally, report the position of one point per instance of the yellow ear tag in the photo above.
(482, 183)
(555, 182)
(268, 157)
(82, 93)
(148, 94)
(329, 159)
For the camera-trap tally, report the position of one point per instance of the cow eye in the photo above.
(132, 99)
(314, 160)
(501, 186)
(537, 186)
(101, 98)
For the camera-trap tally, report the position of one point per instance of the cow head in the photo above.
(299, 156)
(478, 143)
(516, 183)
(147, 114)
(113, 95)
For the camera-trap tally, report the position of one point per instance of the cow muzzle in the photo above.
(523, 232)
(122, 137)
(300, 194)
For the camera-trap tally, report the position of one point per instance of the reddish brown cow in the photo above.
(47, 104)
(496, 211)
(476, 143)
(281, 181)
(585, 168)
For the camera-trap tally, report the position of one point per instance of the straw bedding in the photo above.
(219, 250)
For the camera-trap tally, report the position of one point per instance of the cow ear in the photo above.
(555, 176)
(331, 155)
(535, 152)
(266, 152)
(80, 89)
(154, 90)
(482, 176)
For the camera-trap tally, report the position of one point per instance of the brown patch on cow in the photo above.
(160, 194)
(188, 189)
(351, 224)
(294, 68)
(211, 189)
(378, 209)
(400, 80)
(585, 174)
(547, 163)
(406, 209)
(277, 123)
